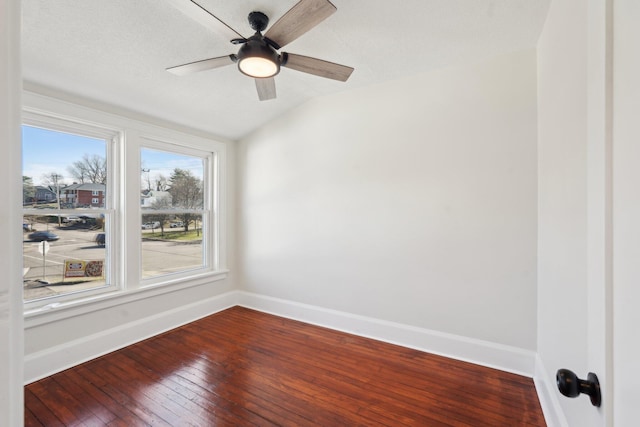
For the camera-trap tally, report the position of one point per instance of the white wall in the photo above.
(11, 400)
(412, 201)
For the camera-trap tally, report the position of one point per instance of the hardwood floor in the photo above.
(242, 367)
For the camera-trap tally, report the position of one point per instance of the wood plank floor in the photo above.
(242, 367)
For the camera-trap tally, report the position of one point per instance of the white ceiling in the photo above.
(116, 51)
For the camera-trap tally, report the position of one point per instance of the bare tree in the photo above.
(187, 193)
(162, 183)
(146, 172)
(158, 204)
(53, 180)
(89, 169)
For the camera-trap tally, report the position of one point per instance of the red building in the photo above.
(83, 195)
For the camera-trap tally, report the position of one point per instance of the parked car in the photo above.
(151, 225)
(39, 236)
(176, 224)
(100, 239)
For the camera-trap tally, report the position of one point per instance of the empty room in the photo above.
(320, 212)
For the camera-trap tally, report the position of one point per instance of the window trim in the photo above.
(210, 257)
(111, 137)
(127, 220)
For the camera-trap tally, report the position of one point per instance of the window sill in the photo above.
(54, 312)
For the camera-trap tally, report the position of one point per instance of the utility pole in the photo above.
(55, 178)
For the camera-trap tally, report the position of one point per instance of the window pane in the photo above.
(74, 254)
(170, 247)
(64, 199)
(173, 215)
(62, 170)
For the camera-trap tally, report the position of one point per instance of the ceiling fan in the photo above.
(259, 55)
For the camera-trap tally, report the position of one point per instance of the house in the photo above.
(484, 209)
(44, 195)
(150, 198)
(84, 195)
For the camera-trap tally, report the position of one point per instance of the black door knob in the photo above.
(571, 386)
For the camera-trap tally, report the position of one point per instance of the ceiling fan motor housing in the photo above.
(257, 57)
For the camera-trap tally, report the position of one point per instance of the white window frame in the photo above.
(124, 199)
(210, 254)
(112, 138)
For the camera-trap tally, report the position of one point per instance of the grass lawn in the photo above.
(177, 235)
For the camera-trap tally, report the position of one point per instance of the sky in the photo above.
(45, 151)
(164, 163)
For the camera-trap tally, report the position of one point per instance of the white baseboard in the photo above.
(505, 358)
(47, 362)
(548, 397)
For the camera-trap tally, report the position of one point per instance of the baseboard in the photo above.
(505, 358)
(548, 396)
(47, 362)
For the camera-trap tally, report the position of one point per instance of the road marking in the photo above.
(49, 261)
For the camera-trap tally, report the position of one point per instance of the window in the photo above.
(120, 205)
(175, 213)
(60, 256)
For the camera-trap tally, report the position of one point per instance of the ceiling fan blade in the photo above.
(201, 15)
(205, 64)
(266, 88)
(298, 20)
(317, 67)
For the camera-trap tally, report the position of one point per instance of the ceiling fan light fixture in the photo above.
(257, 59)
(258, 67)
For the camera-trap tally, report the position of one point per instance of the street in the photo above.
(158, 257)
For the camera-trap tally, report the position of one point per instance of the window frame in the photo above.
(124, 198)
(111, 137)
(210, 180)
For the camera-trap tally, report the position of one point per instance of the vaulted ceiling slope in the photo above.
(117, 51)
